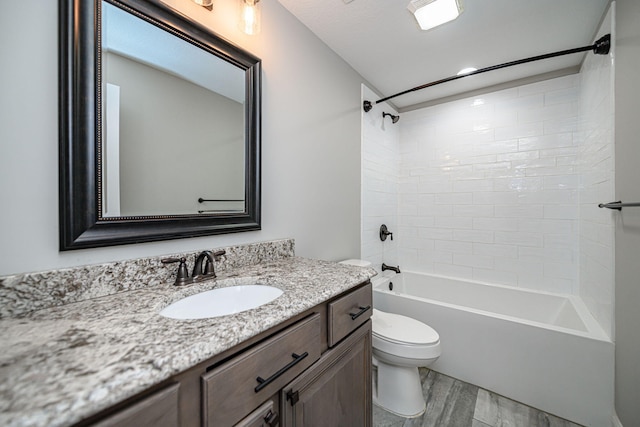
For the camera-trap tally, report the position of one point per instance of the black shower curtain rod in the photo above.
(600, 47)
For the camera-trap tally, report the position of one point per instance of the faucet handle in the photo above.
(384, 232)
(182, 278)
(172, 260)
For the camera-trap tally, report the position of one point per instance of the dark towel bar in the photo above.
(618, 205)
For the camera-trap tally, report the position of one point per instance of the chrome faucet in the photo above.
(388, 267)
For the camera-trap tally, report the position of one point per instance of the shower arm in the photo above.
(600, 47)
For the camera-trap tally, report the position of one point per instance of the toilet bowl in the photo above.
(400, 346)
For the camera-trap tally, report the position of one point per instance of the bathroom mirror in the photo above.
(160, 127)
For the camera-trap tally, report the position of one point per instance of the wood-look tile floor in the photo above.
(454, 403)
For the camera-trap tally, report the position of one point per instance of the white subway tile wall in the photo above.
(501, 188)
(380, 185)
(496, 187)
(596, 164)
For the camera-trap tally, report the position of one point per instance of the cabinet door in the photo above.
(336, 391)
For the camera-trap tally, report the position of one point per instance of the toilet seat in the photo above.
(402, 329)
(402, 336)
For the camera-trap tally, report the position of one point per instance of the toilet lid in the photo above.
(402, 329)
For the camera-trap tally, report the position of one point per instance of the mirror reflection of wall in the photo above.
(177, 113)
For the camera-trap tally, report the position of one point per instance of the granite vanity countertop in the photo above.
(60, 365)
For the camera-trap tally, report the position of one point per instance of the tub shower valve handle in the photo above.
(182, 277)
(384, 232)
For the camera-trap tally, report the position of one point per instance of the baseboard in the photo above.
(615, 421)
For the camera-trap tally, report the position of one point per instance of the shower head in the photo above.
(394, 119)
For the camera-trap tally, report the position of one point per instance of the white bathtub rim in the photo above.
(391, 275)
(594, 330)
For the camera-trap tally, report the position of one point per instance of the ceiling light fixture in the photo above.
(204, 3)
(431, 13)
(249, 16)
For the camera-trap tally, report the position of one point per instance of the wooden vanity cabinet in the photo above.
(158, 409)
(311, 370)
(348, 312)
(265, 416)
(235, 388)
(336, 391)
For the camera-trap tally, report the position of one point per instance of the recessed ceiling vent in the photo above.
(431, 13)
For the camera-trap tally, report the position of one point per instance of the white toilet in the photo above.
(400, 346)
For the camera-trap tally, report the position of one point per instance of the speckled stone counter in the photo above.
(23, 293)
(61, 364)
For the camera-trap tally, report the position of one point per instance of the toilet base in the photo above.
(399, 390)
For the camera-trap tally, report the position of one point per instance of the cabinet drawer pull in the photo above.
(263, 383)
(362, 311)
(272, 419)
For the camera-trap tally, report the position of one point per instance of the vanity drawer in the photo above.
(348, 312)
(266, 415)
(238, 386)
(157, 410)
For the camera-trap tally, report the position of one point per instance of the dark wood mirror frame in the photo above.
(81, 224)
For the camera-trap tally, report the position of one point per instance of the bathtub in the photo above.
(538, 348)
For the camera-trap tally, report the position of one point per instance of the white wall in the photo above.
(165, 169)
(311, 140)
(627, 223)
(597, 168)
(380, 169)
(489, 187)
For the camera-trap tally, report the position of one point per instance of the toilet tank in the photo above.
(356, 262)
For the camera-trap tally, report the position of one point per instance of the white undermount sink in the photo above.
(221, 302)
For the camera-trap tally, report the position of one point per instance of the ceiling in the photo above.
(134, 38)
(381, 40)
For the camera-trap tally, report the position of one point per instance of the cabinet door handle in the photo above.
(263, 383)
(362, 311)
(272, 419)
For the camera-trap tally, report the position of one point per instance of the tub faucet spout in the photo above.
(388, 267)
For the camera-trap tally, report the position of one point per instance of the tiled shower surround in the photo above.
(501, 188)
(488, 187)
(597, 171)
(380, 169)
